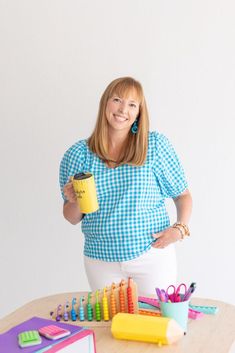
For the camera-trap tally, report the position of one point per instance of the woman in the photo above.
(135, 171)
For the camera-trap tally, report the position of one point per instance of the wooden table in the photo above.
(210, 334)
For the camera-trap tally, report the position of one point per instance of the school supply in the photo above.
(176, 294)
(53, 332)
(122, 297)
(151, 303)
(113, 303)
(189, 292)
(80, 339)
(81, 309)
(174, 303)
(194, 314)
(162, 295)
(99, 307)
(29, 338)
(73, 313)
(149, 312)
(210, 310)
(130, 303)
(144, 328)
(66, 314)
(147, 306)
(169, 295)
(177, 310)
(105, 305)
(59, 312)
(89, 308)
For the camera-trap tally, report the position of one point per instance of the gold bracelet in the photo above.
(186, 228)
(183, 227)
(180, 230)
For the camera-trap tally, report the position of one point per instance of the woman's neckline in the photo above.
(113, 165)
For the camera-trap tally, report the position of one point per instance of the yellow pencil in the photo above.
(161, 330)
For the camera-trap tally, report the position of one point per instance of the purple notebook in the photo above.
(9, 339)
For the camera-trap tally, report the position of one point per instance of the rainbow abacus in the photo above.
(99, 307)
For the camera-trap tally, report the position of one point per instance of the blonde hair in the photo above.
(137, 144)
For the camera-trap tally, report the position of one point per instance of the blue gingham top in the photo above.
(131, 199)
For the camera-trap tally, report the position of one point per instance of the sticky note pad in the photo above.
(29, 338)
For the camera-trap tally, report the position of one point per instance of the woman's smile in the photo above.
(120, 118)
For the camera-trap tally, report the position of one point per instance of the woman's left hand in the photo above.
(166, 237)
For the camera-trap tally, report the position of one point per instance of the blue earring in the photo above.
(134, 127)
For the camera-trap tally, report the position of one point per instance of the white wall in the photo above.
(56, 59)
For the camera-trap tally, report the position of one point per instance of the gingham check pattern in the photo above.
(131, 199)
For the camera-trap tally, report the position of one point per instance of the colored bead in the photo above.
(73, 312)
(89, 308)
(97, 307)
(122, 298)
(105, 306)
(113, 306)
(130, 298)
(81, 309)
(66, 315)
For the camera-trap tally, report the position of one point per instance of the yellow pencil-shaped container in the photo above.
(85, 190)
(161, 330)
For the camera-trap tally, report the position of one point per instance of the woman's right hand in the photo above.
(69, 192)
(71, 209)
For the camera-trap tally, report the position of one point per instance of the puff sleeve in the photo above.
(168, 169)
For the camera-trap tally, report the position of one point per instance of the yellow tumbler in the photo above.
(85, 190)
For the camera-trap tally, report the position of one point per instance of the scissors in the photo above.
(175, 295)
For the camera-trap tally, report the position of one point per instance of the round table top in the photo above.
(209, 334)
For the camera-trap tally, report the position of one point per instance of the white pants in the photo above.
(155, 268)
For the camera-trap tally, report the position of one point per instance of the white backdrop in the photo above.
(56, 59)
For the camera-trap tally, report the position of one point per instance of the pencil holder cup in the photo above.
(177, 311)
(85, 190)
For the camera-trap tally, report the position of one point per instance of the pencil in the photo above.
(161, 330)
